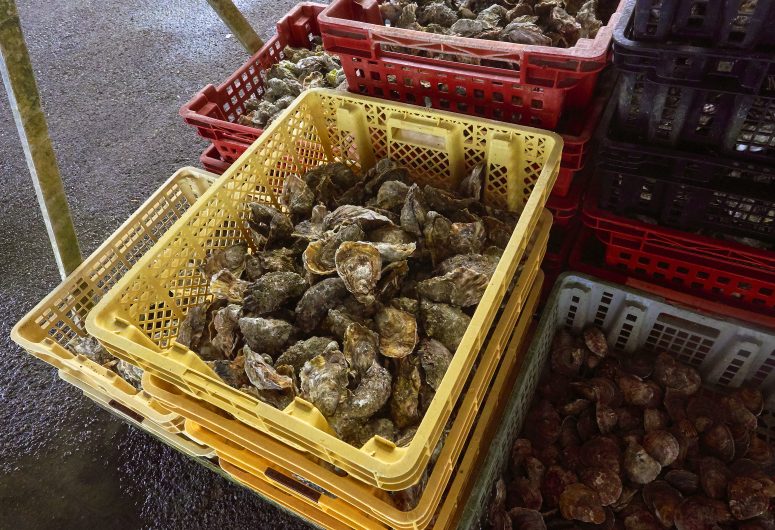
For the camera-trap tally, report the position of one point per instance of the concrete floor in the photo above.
(112, 76)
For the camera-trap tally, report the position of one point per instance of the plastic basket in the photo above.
(566, 209)
(47, 330)
(722, 271)
(726, 353)
(214, 111)
(178, 441)
(139, 319)
(355, 31)
(587, 256)
(711, 23)
(713, 67)
(704, 119)
(212, 161)
(354, 504)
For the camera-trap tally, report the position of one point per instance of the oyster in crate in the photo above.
(323, 381)
(360, 267)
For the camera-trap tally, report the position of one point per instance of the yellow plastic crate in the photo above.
(139, 319)
(179, 441)
(331, 495)
(358, 504)
(48, 328)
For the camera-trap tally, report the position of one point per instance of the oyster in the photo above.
(366, 218)
(445, 323)
(464, 279)
(397, 332)
(524, 32)
(323, 381)
(391, 234)
(297, 197)
(391, 195)
(390, 252)
(392, 280)
(305, 350)
(265, 335)
(360, 266)
(320, 255)
(381, 427)
(369, 396)
(434, 359)
(232, 372)
(263, 375)
(404, 401)
(273, 290)
(317, 301)
(445, 238)
(231, 258)
(414, 211)
(132, 374)
(270, 223)
(447, 203)
(226, 286)
(361, 346)
(90, 347)
(225, 324)
(277, 260)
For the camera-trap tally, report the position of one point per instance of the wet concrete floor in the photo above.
(112, 77)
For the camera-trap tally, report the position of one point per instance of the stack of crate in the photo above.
(683, 196)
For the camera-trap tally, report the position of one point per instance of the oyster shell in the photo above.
(444, 238)
(364, 217)
(305, 350)
(225, 285)
(265, 335)
(297, 197)
(445, 323)
(392, 280)
(263, 375)
(132, 374)
(231, 258)
(369, 396)
(381, 427)
(274, 225)
(225, 324)
(391, 234)
(232, 372)
(360, 267)
(464, 279)
(434, 359)
(397, 332)
(361, 346)
(471, 185)
(323, 381)
(91, 348)
(446, 203)
(391, 195)
(273, 290)
(320, 256)
(414, 212)
(404, 401)
(390, 252)
(277, 260)
(317, 301)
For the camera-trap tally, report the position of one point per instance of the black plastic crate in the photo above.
(693, 192)
(701, 120)
(743, 24)
(704, 67)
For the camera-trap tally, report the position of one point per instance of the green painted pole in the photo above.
(22, 90)
(238, 25)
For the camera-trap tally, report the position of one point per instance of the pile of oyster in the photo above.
(355, 299)
(635, 442)
(556, 23)
(90, 347)
(301, 69)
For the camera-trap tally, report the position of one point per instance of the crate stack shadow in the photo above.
(682, 200)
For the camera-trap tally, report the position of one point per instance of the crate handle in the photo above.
(292, 484)
(430, 134)
(351, 118)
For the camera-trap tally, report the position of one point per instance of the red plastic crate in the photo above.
(355, 28)
(566, 208)
(214, 111)
(587, 256)
(212, 161)
(725, 276)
